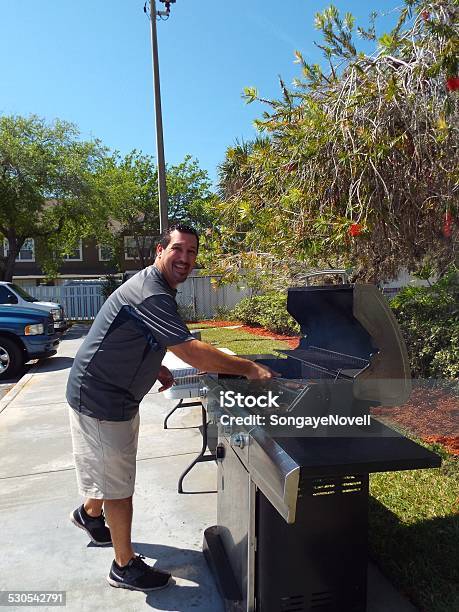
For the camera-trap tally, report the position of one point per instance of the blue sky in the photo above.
(89, 62)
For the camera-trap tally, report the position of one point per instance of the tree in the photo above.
(359, 162)
(128, 192)
(126, 188)
(190, 197)
(45, 184)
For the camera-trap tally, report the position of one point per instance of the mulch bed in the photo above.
(430, 414)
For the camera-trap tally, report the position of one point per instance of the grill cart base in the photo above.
(266, 559)
(317, 563)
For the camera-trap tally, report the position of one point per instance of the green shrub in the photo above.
(188, 313)
(109, 285)
(269, 311)
(248, 311)
(222, 313)
(429, 318)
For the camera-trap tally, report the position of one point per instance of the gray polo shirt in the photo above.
(119, 360)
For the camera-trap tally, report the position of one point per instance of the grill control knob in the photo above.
(239, 440)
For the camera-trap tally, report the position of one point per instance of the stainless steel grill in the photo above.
(292, 509)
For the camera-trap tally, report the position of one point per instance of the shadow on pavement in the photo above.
(14, 380)
(182, 563)
(76, 331)
(53, 364)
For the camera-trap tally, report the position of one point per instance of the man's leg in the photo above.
(88, 516)
(112, 447)
(93, 507)
(129, 570)
(119, 518)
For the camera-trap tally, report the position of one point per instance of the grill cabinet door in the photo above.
(318, 563)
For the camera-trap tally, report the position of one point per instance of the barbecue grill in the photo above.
(291, 531)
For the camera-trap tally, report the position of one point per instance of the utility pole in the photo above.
(162, 189)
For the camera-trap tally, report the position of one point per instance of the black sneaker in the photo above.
(138, 576)
(94, 527)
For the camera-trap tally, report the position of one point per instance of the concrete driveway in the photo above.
(43, 551)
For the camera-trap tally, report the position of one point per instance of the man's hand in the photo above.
(260, 372)
(208, 359)
(165, 378)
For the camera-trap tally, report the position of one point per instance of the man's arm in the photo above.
(209, 359)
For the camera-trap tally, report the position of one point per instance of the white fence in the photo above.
(80, 301)
(198, 297)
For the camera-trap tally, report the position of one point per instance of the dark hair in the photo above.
(185, 229)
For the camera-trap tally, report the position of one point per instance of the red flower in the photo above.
(452, 83)
(425, 15)
(448, 224)
(355, 229)
(447, 231)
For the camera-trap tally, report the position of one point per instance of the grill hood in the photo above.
(356, 320)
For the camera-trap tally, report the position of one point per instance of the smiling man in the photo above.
(117, 364)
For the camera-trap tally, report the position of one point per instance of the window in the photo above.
(27, 252)
(105, 252)
(131, 250)
(7, 296)
(23, 293)
(77, 254)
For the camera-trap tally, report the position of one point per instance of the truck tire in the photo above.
(11, 358)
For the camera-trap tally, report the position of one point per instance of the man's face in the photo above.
(177, 260)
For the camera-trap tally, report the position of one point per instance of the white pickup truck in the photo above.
(13, 294)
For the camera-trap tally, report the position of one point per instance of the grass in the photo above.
(241, 342)
(414, 532)
(413, 516)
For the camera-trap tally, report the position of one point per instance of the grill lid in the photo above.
(326, 318)
(355, 320)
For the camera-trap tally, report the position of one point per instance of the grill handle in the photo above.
(343, 273)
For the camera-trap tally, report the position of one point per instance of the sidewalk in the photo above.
(42, 550)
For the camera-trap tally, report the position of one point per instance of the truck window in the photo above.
(23, 293)
(7, 296)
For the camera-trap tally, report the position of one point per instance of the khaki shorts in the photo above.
(105, 455)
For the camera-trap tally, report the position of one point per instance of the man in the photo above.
(117, 364)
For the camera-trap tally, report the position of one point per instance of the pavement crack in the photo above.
(37, 473)
(70, 469)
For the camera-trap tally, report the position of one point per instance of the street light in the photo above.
(162, 189)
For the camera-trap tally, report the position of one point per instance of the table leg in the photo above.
(181, 404)
(201, 456)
